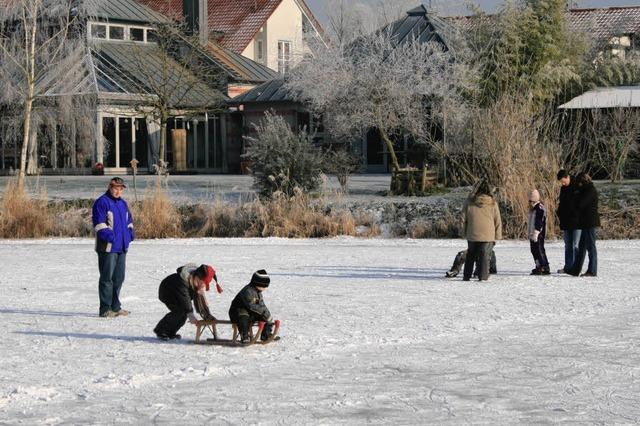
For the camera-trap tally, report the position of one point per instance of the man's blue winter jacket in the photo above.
(113, 224)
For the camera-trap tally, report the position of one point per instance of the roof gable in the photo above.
(238, 21)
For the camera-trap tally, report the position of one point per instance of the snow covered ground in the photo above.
(372, 333)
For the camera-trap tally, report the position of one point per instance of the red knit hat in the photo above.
(211, 274)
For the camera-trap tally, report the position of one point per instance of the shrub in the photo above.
(342, 163)
(283, 160)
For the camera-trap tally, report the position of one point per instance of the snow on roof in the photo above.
(606, 97)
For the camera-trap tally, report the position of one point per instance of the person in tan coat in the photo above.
(482, 227)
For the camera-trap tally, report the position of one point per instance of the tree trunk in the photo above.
(32, 160)
(26, 131)
(30, 44)
(392, 151)
(162, 162)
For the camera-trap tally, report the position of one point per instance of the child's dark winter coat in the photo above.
(177, 292)
(248, 306)
(537, 233)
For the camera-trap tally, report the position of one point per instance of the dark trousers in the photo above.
(172, 322)
(539, 253)
(111, 266)
(587, 245)
(244, 319)
(478, 253)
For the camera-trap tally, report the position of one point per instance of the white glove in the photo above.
(192, 318)
(534, 238)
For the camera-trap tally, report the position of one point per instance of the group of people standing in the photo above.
(113, 224)
(578, 215)
(180, 291)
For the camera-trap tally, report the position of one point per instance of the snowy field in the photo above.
(372, 333)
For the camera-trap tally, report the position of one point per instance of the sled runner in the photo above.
(211, 325)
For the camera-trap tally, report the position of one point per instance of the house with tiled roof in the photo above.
(417, 24)
(612, 29)
(274, 33)
(121, 69)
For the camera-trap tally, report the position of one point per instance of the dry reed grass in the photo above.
(219, 219)
(518, 154)
(298, 217)
(22, 216)
(156, 216)
(447, 227)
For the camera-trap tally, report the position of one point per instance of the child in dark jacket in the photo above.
(188, 284)
(461, 257)
(537, 233)
(248, 307)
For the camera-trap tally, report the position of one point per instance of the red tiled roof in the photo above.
(606, 22)
(170, 8)
(238, 20)
(602, 23)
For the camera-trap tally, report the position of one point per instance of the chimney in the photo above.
(196, 17)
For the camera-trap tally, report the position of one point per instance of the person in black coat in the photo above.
(588, 221)
(248, 307)
(568, 217)
(180, 291)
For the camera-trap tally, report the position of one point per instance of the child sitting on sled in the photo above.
(248, 307)
(188, 284)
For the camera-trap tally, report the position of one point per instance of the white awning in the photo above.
(606, 97)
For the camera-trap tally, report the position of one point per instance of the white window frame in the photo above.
(259, 50)
(125, 33)
(284, 63)
(126, 28)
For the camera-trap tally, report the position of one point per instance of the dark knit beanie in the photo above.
(260, 278)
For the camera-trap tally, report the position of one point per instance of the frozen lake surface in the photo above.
(372, 333)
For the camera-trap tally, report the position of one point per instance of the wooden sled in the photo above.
(254, 338)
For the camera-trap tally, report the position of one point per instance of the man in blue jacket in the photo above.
(113, 224)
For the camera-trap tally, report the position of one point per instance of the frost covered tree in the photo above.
(283, 160)
(373, 81)
(39, 39)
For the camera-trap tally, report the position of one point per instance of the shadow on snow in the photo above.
(145, 339)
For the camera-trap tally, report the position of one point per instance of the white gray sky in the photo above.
(458, 7)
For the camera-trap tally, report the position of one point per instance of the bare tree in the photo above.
(36, 40)
(175, 76)
(348, 20)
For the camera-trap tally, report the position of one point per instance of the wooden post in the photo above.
(134, 167)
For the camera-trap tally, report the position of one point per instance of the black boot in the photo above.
(243, 327)
(267, 331)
